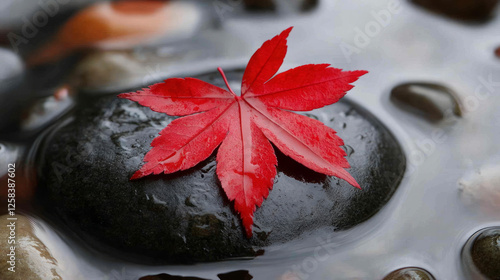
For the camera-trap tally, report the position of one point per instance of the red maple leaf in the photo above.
(245, 125)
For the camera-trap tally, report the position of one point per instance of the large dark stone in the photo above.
(185, 217)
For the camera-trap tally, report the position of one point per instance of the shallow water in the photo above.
(426, 222)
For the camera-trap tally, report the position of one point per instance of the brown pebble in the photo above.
(32, 259)
(485, 252)
(409, 273)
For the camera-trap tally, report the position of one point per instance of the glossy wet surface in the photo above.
(185, 217)
(427, 221)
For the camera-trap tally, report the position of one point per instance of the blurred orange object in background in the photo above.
(116, 25)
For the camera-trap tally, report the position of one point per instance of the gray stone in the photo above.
(432, 101)
(10, 68)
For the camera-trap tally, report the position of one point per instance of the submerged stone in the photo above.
(30, 258)
(481, 254)
(409, 273)
(473, 10)
(235, 275)
(185, 216)
(309, 4)
(432, 101)
(259, 5)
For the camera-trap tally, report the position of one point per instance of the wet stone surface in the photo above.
(31, 259)
(471, 10)
(409, 273)
(432, 101)
(185, 217)
(481, 254)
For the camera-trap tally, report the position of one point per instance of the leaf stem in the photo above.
(225, 80)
